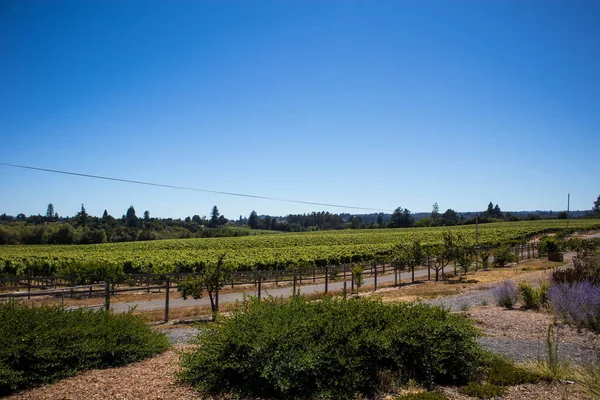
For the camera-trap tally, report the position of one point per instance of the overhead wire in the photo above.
(108, 178)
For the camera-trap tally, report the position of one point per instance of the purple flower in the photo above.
(506, 294)
(577, 303)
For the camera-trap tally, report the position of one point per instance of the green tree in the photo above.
(50, 212)
(497, 212)
(379, 220)
(214, 218)
(408, 256)
(253, 220)
(130, 218)
(210, 277)
(82, 217)
(596, 208)
(435, 212)
(464, 252)
(401, 218)
(449, 218)
(357, 276)
(443, 253)
(146, 215)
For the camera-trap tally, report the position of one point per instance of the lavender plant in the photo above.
(577, 303)
(506, 294)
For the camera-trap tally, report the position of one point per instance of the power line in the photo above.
(107, 178)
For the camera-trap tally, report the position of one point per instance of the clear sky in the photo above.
(367, 103)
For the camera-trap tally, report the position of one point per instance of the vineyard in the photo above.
(257, 252)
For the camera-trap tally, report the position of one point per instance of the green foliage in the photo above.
(503, 255)
(503, 372)
(211, 278)
(549, 244)
(485, 259)
(551, 367)
(357, 275)
(92, 271)
(244, 253)
(43, 344)
(464, 252)
(534, 298)
(422, 396)
(332, 348)
(482, 390)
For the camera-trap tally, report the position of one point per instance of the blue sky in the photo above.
(366, 103)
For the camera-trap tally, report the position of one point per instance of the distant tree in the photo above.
(196, 219)
(561, 215)
(222, 220)
(130, 218)
(82, 217)
(214, 218)
(450, 217)
(56, 218)
(490, 209)
(146, 215)
(65, 234)
(435, 212)
(596, 208)
(253, 220)
(187, 219)
(379, 220)
(105, 215)
(50, 212)
(21, 217)
(497, 213)
(355, 222)
(401, 218)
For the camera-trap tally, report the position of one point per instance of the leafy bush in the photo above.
(534, 298)
(422, 396)
(93, 271)
(332, 348)
(549, 244)
(586, 267)
(503, 372)
(43, 344)
(503, 255)
(482, 390)
(506, 294)
(577, 303)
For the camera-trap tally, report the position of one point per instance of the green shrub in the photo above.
(43, 344)
(503, 255)
(422, 396)
(503, 372)
(332, 348)
(534, 298)
(482, 390)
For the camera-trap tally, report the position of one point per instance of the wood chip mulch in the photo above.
(151, 379)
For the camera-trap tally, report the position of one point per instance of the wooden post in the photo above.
(276, 277)
(428, 270)
(295, 279)
(375, 280)
(259, 286)
(106, 295)
(345, 284)
(28, 285)
(351, 283)
(314, 274)
(167, 299)
(148, 284)
(326, 279)
(395, 276)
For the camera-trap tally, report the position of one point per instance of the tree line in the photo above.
(86, 229)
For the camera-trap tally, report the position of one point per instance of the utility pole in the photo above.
(568, 208)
